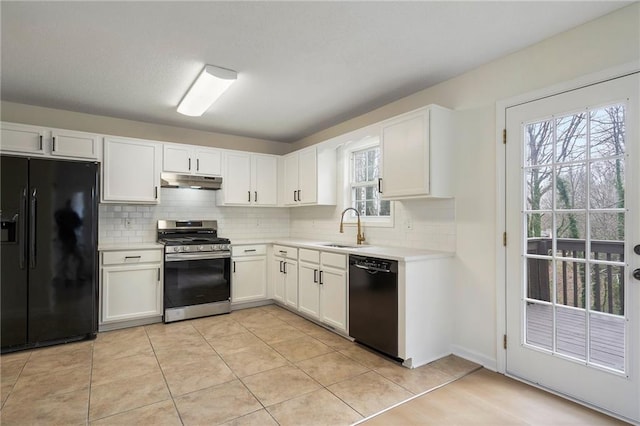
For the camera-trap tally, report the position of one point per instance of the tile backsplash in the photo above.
(425, 223)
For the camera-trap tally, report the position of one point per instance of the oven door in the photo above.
(196, 278)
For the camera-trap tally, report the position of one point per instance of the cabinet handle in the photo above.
(380, 185)
(255, 196)
(234, 266)
(53, 144)
(249, 194)
(189, 164)
(283, 251)
(40, 142)
(156, 193)
(315, 275)
(281, 266)
(249, 250)
(299, 196)
(197, 164)
(295, 195)
(321, 280)
(284, 267)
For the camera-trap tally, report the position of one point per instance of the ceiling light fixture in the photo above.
(208, 87)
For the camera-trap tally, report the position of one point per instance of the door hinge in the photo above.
(504, 341)
(504, 136)
(504, 239)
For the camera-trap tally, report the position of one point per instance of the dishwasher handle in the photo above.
(371, 268)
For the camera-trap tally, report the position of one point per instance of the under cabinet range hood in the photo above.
(175, 180)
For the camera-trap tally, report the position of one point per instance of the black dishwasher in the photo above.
(373, 303)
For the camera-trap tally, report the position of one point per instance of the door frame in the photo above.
(500, 249)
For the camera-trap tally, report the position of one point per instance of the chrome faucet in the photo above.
(360, 237)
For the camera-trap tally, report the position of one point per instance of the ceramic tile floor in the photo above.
(255, 366)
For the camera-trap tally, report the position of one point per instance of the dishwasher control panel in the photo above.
(373, 263)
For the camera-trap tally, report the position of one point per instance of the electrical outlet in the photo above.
(127, 223)
(408, 224)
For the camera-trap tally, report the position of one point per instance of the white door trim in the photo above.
(501, 107)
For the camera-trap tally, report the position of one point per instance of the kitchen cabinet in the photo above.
(189, 159)
(322, 287)
(249, 179)
(285, 275)
(131, 171)
(34, 140)
(249, 273)
(417, 152)
(310, 177)
(131, 287)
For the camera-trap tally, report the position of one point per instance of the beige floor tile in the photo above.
(330, 339)
(254, 359)
(331, 368)
(221, 328)
(172, 356)
(280, 384)
(235, 342)
(365, 356)
(14, 356)
(50, 359)
(316, 408)
(128, 346)
(109, 370)
(11, 369)
(5, 390)
(369, 393)
(180, 328)
(119, 336)
(197, 375)
(415, 380)
(261, 320)
(62, 348)
(301, 348)
(60, 409)
(57, 381)
(277, 334)
(257, 418)
(455, 366)
(125, 394)
(162, 341)
(217, 404)
(159, 414)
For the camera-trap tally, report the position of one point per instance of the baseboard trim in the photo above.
(486, 362)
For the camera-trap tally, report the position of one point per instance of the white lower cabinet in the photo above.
(322, 287)
(130, 287)
(249, 279)
(285, 275)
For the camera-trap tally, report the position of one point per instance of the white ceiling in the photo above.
(303, 66)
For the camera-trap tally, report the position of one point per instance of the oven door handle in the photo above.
(178, 257)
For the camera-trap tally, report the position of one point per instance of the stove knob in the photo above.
(177, 249)
(186, 248)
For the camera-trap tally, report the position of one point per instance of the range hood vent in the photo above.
(174, 180)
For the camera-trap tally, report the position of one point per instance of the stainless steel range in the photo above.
(197, 269)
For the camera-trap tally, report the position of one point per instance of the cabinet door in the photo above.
(405, 156)
(237, 180)
(291, 179)
(278, 280)
(333, 298)
(264, 180)
(131, 171)
(67, 143)
(208, 162)
(177, 159)
(249, 279)
(131, 292)
(307, 176)
(308, 289)
(19, 138)
(291, 283)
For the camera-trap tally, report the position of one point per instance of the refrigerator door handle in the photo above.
(22, 228)
(32, 229)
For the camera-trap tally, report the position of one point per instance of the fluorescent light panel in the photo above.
(208, 87)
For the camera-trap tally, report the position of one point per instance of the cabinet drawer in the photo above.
(131, 256)
(251, 250)
(335, 260)
(284, 251)
(311, 256)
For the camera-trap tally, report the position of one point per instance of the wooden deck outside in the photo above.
(607, 334)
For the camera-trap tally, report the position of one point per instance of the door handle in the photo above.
(197, 164)
(315, 275)
(636, 249)
(22, 228)
(189, 164)
(295, 195)
(40, 142)
(380, 185)
(321, 280)
(53, 144)
(284, 267)
(299, 196)
(32, 229)
(636, 274)
(255, 196)
(234, 266)
(281, 266)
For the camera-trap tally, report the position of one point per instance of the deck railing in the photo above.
(607, 281)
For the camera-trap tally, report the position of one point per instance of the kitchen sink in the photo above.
(335, 245)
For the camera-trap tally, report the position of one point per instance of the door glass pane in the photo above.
(571, 142)
(607, 340)
(607, 131)
(607, 184)
(571, 187)
(607, 288)
(538, 139)
(538, 190)
(539, 279)
(570, 332)
(570, 289)
(539, 325)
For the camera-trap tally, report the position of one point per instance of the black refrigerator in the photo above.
(48, 250)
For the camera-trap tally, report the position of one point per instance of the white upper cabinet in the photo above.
(30, 140)
(131, 171)
(310, 177)
(189, 159)
(249, 179)
(417, 150)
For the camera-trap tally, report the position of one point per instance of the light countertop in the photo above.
(129, 246)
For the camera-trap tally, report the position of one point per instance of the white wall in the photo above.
(235, 223)
(607, 42)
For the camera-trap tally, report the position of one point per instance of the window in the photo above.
(364, 174)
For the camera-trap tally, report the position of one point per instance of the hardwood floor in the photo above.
(487, 398)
